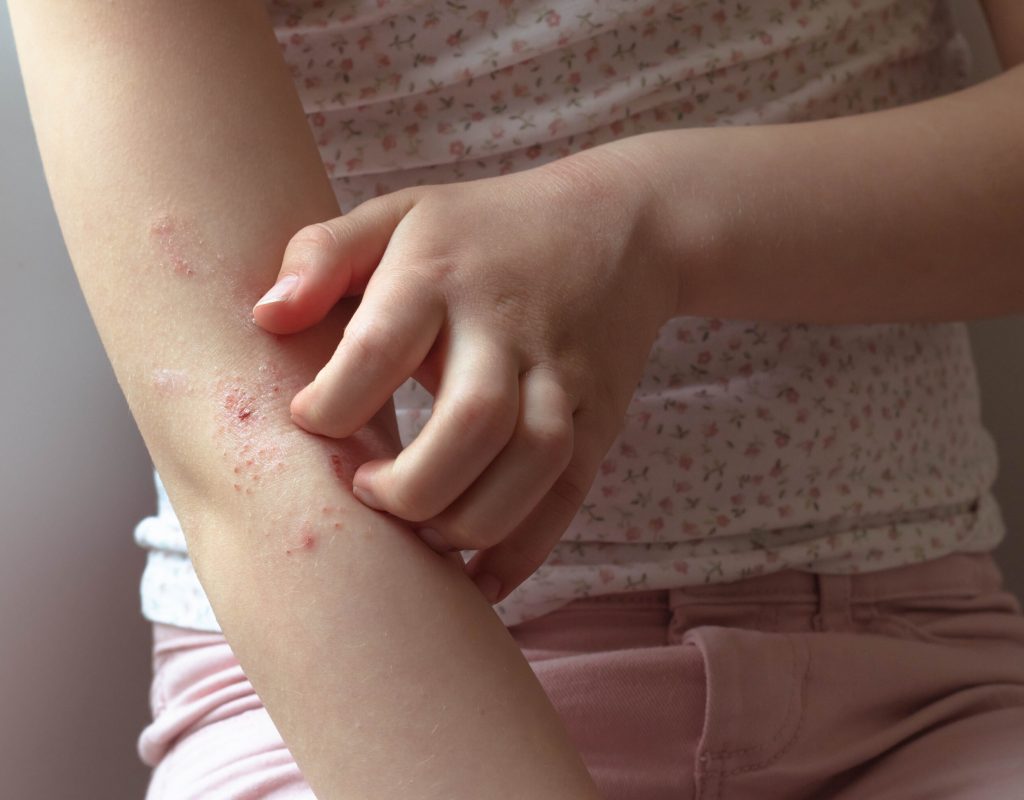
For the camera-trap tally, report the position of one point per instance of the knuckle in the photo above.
(316, 416)
(369, 341)
(409, 503)
(319, 235)
(400, 200)
(435, 269)
(473, 533)
(307, 247)
(563, 380)
(483, 410)
(550, 437)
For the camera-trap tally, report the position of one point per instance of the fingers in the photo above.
(386, 339)
(328, 260)
(516, 557)
(474, 416)
(516, 481)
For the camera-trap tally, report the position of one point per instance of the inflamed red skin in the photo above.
(182, 252)
(257, 434)
(253, 424)
(181, 247)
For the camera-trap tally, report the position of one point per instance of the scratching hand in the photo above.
(526, 304)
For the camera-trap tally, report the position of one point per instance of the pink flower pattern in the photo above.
(748, 447)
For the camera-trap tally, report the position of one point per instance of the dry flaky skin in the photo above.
(250, 445)
(258, 441)
(176, 244)
(171, 382)
(248, 411)
(249, 418)
(179, 246)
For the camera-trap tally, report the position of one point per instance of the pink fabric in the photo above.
(903, 683)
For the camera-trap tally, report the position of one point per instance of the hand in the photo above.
(527, 304)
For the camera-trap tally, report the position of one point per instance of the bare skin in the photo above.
(385, 670)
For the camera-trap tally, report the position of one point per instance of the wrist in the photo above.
(681, 232)
(614, 178)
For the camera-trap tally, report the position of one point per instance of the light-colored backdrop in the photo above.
(74, 479)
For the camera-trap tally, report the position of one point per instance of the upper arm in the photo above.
(1006, 22)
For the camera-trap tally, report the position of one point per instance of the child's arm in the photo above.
(180, 163)
(909, 214)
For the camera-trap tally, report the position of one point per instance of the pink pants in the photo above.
(901, 684)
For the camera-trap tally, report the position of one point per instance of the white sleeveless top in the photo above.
(748, 447)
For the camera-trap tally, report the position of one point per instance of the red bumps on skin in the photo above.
(174, 240)
(307, 542)
(337, 468)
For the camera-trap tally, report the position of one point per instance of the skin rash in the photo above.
(250, 409)
(253, 448)
(178, 243)
(171, 382)
(182, 252)
(249, 414)
(250, 446)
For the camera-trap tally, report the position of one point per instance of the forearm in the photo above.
(909, 214)
(180, 164)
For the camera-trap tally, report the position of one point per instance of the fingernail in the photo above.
(434, 539)
(280, 291)
(488, 585)
(367, 497)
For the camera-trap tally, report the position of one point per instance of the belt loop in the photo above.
(834, 612)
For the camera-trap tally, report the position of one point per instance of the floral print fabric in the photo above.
(748, 447)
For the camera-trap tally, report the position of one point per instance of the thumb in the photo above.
(326, 261)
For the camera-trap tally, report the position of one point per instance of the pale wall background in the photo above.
(75, 477)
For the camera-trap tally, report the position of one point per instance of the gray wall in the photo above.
(74, 479)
